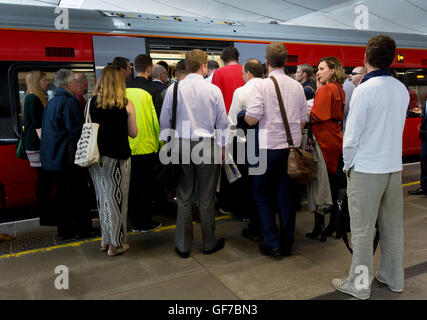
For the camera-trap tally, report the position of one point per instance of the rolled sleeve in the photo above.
(255, 107)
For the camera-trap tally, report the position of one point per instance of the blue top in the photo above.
(62, 123)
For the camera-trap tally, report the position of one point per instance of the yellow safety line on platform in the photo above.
(79, 243)
(410, 184)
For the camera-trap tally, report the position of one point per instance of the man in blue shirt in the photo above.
(61, 128)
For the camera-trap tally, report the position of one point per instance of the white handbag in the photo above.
(87, 152)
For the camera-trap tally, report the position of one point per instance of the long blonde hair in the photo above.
(33, 85)
(335, 64)
(111, 89)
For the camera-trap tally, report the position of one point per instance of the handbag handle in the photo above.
(283, 112)
(88, 119)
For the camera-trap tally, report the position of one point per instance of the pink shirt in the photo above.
(264, 106)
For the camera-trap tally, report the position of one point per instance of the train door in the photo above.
(173, 50)
(416, 82)
(18, 179)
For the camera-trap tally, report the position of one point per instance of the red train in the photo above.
(31, 41)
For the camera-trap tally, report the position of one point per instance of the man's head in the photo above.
(276, 55)
(123, 65)
(304, 72)
(380, 52)
(143, 64)
(252, 69)
(230, 54)
(196, 62)
(159, 72)
(356, 75)
(181, 72)
(81, 83)
(64, 79)
(212, 66)
(164, 64)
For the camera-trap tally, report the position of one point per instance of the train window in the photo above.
(416, 81)
(50, 91)
(5, 110)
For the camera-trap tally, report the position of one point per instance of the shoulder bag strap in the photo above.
(88, 119)
(174, 105)
(283, 112)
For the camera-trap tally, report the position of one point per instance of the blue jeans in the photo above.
(275, 186)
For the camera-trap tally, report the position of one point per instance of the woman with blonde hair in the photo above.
(34, 104)
(115, 115)
(326, 116)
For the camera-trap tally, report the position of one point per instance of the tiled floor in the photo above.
(151, 269)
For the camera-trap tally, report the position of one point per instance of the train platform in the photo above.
(151, 270)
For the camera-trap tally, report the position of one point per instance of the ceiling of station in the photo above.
(406, 16)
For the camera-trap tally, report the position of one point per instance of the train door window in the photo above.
(416, 82)
(50, 91)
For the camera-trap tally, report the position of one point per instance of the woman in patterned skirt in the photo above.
(116, 118)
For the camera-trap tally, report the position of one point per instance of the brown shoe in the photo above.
(118, 250)
(6, 237)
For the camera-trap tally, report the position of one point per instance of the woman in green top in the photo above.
(34, 104)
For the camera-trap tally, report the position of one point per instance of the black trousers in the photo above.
(45, 199)
(71, 194)
(141, 190)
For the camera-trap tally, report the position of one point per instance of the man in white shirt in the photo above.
(212, 66)
(200, 112)
(372, 152)
(252, 73)
(244, 204)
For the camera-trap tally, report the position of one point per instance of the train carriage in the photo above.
(43, 38)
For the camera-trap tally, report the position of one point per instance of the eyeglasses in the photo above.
(354, 73)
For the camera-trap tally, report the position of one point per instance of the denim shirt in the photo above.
(62, 123)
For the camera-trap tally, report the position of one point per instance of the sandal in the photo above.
(104, 247)
(118, 250)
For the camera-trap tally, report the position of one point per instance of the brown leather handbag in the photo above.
(300, 162)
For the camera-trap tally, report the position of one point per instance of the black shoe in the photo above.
(65, 237)
(183, 255)
(219, 245)
(417, 192)
(286, 246)
(152, 226)
(251, 235)
(87, 234)
(271, 252)
(319, 228)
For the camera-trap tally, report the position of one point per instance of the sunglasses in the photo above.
(354, 73)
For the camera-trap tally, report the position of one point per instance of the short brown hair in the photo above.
(380, 51)
(276, 54)
(339, 72)
(254, 66)
(143, 62)
(194, 60)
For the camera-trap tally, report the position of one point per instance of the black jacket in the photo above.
(152, 88)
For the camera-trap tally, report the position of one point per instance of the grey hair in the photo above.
(80, 77)
(157, 70)
(62, 78)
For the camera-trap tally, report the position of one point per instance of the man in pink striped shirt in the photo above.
(275, 185)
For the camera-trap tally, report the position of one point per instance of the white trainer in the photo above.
(381, 280)
(343, 285)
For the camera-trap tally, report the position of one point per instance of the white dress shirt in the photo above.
(240, 100)
(200, 109)
(374, 129)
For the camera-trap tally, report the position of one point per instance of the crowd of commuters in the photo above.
(135, 115)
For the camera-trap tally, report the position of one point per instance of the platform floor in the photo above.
(152, 270)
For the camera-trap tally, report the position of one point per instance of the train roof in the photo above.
(128, 23)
